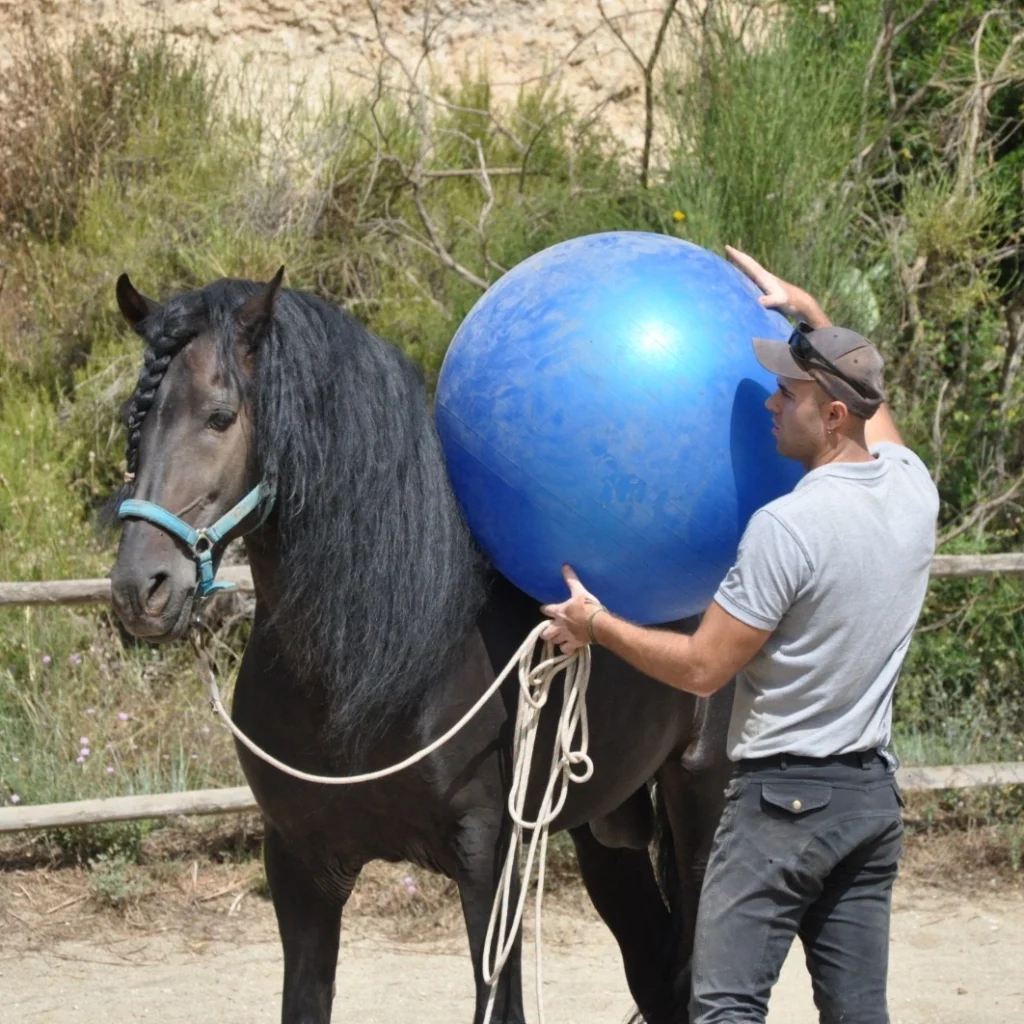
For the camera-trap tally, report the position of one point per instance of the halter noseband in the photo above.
(201, 542)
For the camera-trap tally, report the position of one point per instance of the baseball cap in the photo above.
(847, 366)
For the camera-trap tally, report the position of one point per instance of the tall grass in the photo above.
(763, 117)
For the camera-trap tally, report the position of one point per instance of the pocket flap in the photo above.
(797, 797)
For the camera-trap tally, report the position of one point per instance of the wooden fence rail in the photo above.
(56, 592)
(232, 801)
(227, 801)
(93, 591)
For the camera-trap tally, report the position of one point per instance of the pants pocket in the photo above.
(797, 797)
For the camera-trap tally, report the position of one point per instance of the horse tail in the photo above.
(694, 787)
(680, 952)
(675, 953)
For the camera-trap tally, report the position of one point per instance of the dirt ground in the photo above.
(203, 947)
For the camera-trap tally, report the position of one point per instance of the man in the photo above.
(813, 620)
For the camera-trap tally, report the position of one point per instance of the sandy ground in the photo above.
(956, 959)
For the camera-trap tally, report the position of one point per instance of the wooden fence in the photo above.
(98, 591)
(233, 800)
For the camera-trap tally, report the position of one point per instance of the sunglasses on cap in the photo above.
(806, 356)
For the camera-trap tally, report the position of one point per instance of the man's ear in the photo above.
(134, 306)
(837, 415)
(257, 311)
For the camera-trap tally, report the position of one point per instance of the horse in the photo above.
(268, 413)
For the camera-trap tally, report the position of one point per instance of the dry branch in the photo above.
(647, 70)
(981, 511)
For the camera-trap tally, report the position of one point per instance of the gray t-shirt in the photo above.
(837, 570)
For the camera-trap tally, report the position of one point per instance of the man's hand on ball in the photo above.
(779, 294)
(568, 628)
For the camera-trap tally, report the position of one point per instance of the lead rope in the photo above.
(533, 696)
(534, 688)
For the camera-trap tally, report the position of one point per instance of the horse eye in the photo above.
(221, 419)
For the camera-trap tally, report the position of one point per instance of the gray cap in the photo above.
(847, 366)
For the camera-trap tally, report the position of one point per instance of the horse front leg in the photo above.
(481, 847)
(309, 922)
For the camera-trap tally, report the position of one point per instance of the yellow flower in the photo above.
(905, 153)
(678, 216)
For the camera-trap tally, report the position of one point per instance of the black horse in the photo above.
(377, 625)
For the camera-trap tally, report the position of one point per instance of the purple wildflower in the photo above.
(75, 659)
(47, 659)
(122, 716)
(15, 799)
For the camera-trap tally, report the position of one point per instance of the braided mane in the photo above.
(165, 333)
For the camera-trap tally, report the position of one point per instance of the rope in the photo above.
(534, 687)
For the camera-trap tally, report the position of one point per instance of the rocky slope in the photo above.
(314, 42)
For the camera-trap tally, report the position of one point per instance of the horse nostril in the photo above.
(159, 593)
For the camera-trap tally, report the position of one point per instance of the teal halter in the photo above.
(201, 542)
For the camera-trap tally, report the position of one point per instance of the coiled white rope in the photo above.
(534, 687)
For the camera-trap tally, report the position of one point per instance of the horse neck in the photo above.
(261, 553)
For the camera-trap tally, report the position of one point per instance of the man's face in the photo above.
(799, 409)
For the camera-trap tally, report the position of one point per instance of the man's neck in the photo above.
(845, 449)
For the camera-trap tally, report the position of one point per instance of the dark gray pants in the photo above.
(808, 850)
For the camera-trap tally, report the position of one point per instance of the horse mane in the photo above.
(378, 578)
(378, 581)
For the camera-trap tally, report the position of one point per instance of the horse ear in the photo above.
(258, 309)
(135, 307)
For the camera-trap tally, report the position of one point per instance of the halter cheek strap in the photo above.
(201, 542)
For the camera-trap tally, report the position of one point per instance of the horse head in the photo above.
(193, 479)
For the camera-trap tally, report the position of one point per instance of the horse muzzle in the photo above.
(157, 604)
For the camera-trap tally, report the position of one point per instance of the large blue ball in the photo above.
(601, 405)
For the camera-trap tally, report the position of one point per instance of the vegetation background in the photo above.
(872, 150)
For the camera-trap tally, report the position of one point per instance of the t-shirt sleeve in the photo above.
(770, 572)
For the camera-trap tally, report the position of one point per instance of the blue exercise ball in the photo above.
(601, 405)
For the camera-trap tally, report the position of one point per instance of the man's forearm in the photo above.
(669, 657)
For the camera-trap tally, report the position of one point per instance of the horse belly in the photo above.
(635, 726)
